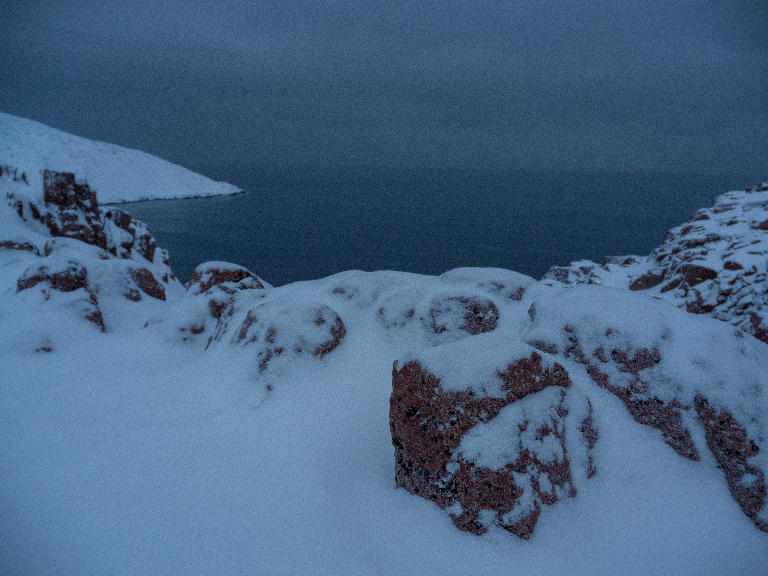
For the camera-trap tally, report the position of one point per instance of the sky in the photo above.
(221, 85)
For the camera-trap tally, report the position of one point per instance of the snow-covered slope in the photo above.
(230, 427)
(118, 174)
(714, 264)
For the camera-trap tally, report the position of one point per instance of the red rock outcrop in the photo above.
(70, 278)
(102, 253)
(441, 318)
(148, 284)
(70, 209)
(126, 236)
(219, 281)
(732, 447)
(478, 315)
(26, 246)
(669, 370)
(620, 371)
(428, 425)
(226, 276)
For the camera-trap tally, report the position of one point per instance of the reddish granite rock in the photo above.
(25, 246)
(214, 284)
(226, 276)
(472, 314)
(148, 284)
(440, 319)
(668, 368)
(126, 236)
(70, 278)
(121, 257)
(732, 447)
(71, 209)
(619, 370)
(432, 431)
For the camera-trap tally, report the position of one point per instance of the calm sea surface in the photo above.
(306, 224)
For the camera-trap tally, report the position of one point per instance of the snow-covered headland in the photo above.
(119, 174)
(227, 426)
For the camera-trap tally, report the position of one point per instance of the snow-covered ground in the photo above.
(230, 427)
(118, 174)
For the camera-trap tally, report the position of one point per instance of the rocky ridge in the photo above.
(714, 264)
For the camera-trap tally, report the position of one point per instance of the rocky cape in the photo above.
(505, 391)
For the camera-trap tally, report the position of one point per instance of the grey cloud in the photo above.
(644, 85)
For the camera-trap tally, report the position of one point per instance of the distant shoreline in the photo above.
(197, 197)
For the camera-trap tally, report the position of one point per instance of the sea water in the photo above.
(304, 224)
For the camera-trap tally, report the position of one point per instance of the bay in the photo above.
(303, 224)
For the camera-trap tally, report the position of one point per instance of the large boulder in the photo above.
(484, 440)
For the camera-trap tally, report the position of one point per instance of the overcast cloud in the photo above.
(638, 85)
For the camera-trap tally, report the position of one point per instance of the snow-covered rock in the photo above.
(492, 454)
(61, 242)
(701, 384)
(119, 174)
(715, 264)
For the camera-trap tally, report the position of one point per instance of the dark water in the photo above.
(307, 224)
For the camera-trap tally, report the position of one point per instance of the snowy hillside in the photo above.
(478, 422)
(118, 174)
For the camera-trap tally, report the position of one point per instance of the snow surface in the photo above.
(133, 452)
(117, 174)
(143, 450)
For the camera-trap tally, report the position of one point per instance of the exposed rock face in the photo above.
(666, 373)
(219, 281)
(71, 209)
(732, 447)
(10, 245)
(441, 318)
(493, 441)
(501, 398)
(126, 236)
(715, 264)
(473, 315)
(148, 284)
(227, 277)
(429, 424)
(620, 370)
(209, 291)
